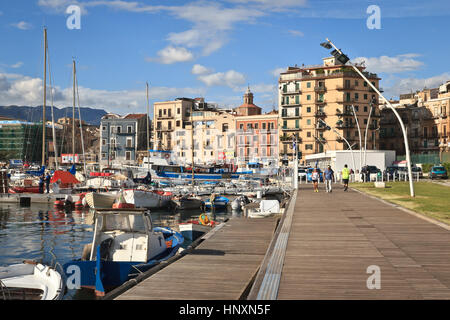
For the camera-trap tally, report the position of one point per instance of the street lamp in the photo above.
(341, 57)
(349, 146)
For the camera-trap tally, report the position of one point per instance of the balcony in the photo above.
(345, 87)
(319, 101)
(345, 125)
(166, 116)
(290, 104)
(290, 128)
(295, 91)
(290, 115)
(345, 113)
(320, 114)
(164, 129)
(320, 89)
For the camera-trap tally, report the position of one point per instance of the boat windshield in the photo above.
(124, 222)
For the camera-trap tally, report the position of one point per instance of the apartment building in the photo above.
(310, 96)
(195, 131)
(121, 137)
(425, 116)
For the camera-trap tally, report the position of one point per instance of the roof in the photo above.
(135, 116)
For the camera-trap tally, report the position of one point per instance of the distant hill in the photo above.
(34, 114)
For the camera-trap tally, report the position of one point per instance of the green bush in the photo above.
(447, 166)
(426, 167)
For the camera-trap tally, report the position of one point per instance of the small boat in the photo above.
(30, 281)
(100, 200)
(220, 203)
(266, 208)
(125, 243)
(239, 202)
(147, 198)
(193, 229)
(31, 189)
(188, 203)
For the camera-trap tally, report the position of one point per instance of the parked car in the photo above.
(417, 170)
(309, 174)
(389, 173)
(302, 174)
(437, 172)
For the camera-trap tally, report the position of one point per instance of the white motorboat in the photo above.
(30, 281)
(266, 208)
(147, 198)
(124, 244)
(101, 200)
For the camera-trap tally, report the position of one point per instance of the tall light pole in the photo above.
(344, 59)
(342, 137)
(360, 142)
(365, 135)
(295, 163)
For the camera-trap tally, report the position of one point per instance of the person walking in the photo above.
(345, 177)
(315, 179)
(329, 178)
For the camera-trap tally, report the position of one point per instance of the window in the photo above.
(178, 123)
(284, 124)
(225, 127)
(308, 122)
(308, 147)
(178, 110)
(297, 99)
(264, 126)
(356, 108)
(297, 86)
(256, 125)
(347, 96)
(103, 142)
(129, 142)
(129, 129)
(356, 83)
(365, 109)
(104, 155)
(241, 126)
(308, 84)
(128, 155)
(297, 112)
(160, 112)
(365, 84)
(365, 121)
(308, 134)
(165, 111)
(297, 125)
(104, 128)
(308, 97)
(365, 96)
(308, 109)
(356, 96)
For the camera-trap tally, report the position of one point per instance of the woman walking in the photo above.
(315, 180)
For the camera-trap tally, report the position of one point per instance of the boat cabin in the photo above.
(126, 235)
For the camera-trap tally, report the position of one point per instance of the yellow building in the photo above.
(211, 139)
(327, 92)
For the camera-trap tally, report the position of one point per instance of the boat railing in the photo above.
(4, 291)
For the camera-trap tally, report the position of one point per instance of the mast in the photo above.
(73, 114)
(192, 140)
(148, 131)
(45, 96)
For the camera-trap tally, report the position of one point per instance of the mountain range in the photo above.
(34, 114)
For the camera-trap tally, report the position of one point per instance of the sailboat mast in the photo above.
(73, 115)
(148, 130)
(192, 141)
(45, 96)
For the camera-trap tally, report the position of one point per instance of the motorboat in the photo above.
(188, 203)
(124, 244)
(220, 203)
(265, 208)
(101, 200)
(147, 198)
(30, 281)
(193, 229)
(239, 202)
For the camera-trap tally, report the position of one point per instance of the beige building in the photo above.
(211, 138)
(326, 92)
(425, 116)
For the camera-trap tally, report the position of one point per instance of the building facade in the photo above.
(121, 137)
(425, 116)
(310, 96)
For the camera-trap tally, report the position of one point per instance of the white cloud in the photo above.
(397, 64)
(230, 79)
(171, 54)
(276, 72)
(16, 89)
(17, 65)
(407, 85)
(22, 25)
(201, 70)
(296, 33)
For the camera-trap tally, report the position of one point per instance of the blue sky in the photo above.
(211, 48)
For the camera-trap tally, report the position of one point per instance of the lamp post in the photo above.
(344, 59)
(365, 136)
(349, 146)
(295, 163)
(359, 133)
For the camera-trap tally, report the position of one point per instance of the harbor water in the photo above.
(54, 237)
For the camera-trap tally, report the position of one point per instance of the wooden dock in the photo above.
(335, 237)
(220, 268)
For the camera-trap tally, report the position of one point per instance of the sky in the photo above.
(210, 49)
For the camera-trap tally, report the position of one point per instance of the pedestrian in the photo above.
(41, 184)
(47, 182)
(329, 178)
(345, 177)
(315, 179)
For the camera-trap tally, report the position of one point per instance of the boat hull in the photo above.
(146, 199)
(100, 200)
(193, 231)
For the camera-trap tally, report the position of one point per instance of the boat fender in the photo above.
(203, 219)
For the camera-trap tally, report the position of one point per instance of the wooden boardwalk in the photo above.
(335, 237)
(220, 268)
